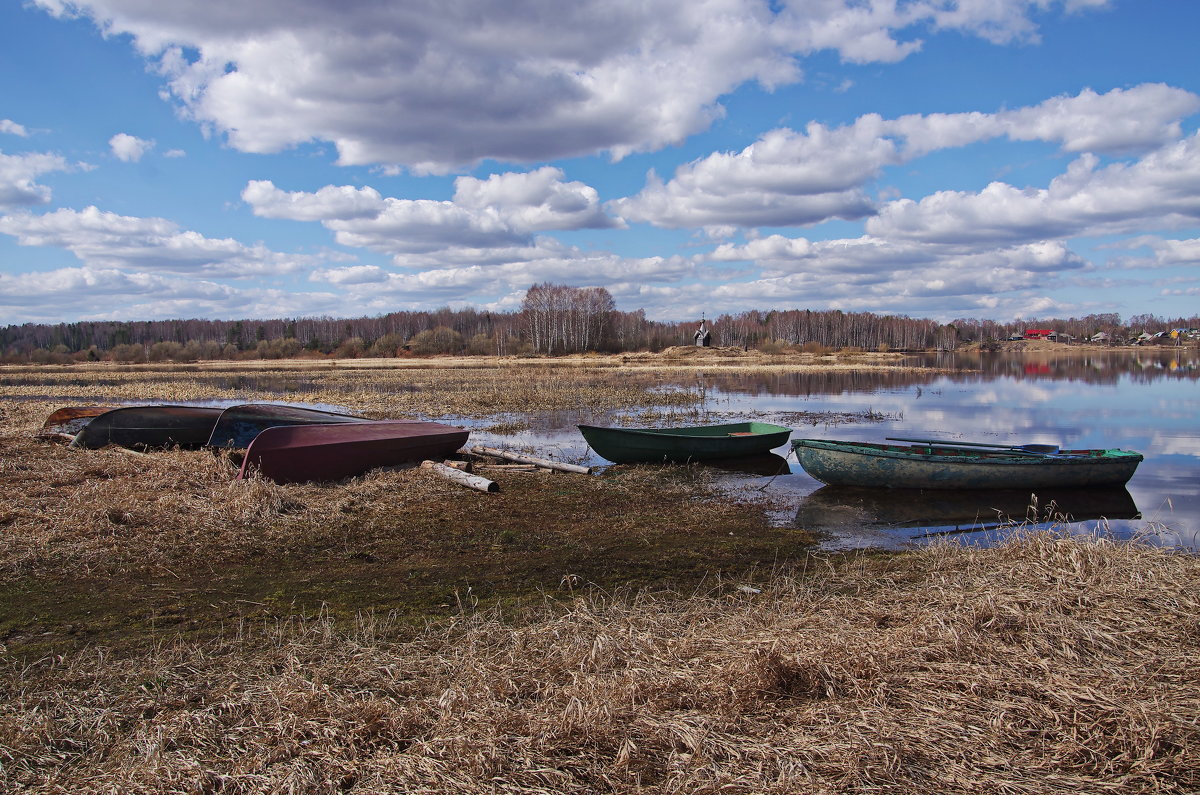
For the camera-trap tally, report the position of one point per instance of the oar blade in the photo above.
(1035, 449)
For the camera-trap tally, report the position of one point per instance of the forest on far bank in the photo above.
(553, 320)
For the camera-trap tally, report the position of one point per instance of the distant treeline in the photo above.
(554, 319)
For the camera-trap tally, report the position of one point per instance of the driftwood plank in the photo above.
(462, 478)
(528, 459)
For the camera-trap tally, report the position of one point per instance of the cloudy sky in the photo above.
(281, 158)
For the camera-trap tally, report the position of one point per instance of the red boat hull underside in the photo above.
(300, 453)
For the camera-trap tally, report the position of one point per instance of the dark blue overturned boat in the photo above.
(149, 427)
(239, 425)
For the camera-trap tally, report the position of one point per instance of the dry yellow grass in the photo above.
(479, 390)
(73, 512)
(1047, 665)
(125, 549)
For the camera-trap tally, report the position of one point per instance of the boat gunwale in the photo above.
(682, 433)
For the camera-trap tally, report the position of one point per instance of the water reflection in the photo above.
(1066, 363)
(765, 465)
(900, 516)
(1145, 401)
(1060, 364)
(1140, 401)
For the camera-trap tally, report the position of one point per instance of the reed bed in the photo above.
(1049, 664)
(379, 392)
(462, 386)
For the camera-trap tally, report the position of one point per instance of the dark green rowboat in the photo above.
(945, 466)
(699, 443)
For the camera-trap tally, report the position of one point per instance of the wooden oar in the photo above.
(1032, 449)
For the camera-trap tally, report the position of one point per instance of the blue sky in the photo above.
(948, 159)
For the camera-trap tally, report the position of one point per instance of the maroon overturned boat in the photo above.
(299, 453)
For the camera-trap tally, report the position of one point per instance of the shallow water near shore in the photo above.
(1143, 401)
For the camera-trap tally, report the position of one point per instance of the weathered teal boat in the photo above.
(697, 443)
(949, 465)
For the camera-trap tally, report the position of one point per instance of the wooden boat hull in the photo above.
(301, 453)
(73, 414)
(65, 423)
(238, 426)
(150, 426)
(932, 467)
(700, 443)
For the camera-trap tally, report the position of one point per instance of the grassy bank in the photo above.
(110, 546)
(166, 628)
(1047, 665)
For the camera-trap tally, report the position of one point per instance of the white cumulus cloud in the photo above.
(17, 175)
(10, 127)
(535, 201)
(129, 148)
(107, 240)
(802, 178)
(330, 203)
(1165, 253)
(436, 86)
(500, 212)
(1160, 190)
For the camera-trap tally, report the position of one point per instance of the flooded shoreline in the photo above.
(1133, 399)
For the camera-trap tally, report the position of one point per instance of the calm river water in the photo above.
(1144, 401)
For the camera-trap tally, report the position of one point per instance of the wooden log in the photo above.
(52, 436)
(528, 459)
(462, 478)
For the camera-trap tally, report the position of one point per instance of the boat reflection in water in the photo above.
(893, 518)
(764, 464)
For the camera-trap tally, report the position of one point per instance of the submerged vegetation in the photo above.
(166, 628)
